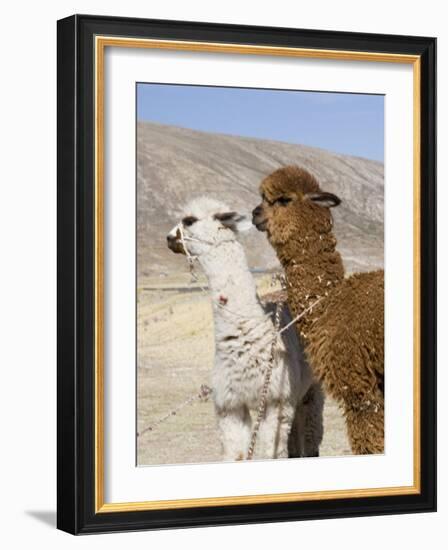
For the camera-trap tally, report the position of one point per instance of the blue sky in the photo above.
(351, 124)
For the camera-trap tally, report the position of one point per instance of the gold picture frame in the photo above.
(96, 35)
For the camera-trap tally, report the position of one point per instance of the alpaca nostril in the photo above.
(256, 211)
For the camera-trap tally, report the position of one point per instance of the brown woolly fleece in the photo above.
(344, 334)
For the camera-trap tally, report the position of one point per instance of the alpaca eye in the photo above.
(189, 220)
(265, 199)
(283, 201)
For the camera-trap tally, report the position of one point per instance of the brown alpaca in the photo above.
(343, 335)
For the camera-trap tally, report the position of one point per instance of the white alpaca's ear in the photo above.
(234, 221)
(244, 224)
(328, 200)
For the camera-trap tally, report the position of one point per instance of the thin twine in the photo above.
(203, 395)
(265, 389)
(206, 391)
(267, 379)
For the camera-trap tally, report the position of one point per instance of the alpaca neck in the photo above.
(313, 268)
(231, 284)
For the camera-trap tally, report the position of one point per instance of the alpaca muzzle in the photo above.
(174, 243)
(259, 219)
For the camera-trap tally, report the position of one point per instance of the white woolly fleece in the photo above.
(244, 332)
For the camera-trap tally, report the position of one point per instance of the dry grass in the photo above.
(175, 356)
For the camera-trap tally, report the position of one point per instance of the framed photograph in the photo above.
(246, 274)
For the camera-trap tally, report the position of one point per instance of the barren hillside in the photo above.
(177, 164)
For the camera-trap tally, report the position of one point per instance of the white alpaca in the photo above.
(244, 332)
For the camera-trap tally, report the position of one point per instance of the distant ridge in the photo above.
(176, 164)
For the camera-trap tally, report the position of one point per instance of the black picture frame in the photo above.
(76, 255)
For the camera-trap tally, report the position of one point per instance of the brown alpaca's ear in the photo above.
(328, 200)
